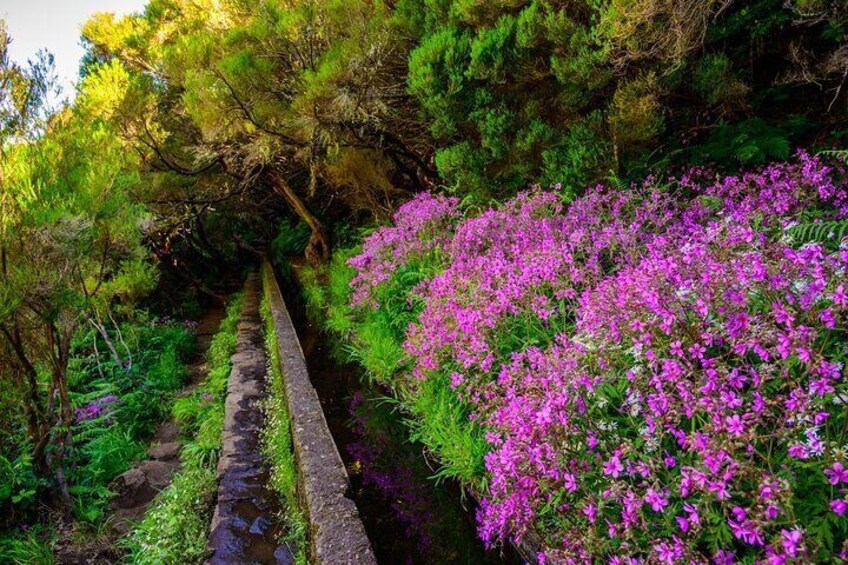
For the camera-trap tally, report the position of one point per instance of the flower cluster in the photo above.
(420, 226)
(660, 371)
(97, 408)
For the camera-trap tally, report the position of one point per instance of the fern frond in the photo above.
(829, 231)
(841, 154)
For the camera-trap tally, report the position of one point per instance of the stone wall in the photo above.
(337, 536)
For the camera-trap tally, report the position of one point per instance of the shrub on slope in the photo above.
(658, 372)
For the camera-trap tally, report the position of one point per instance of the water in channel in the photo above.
(409, 517)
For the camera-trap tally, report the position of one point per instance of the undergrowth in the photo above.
(277, 441)
(175, 528)
(373, 338)
(32, 547)
(118, 403)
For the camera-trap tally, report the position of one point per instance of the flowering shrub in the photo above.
(421, 227)
(659, 371)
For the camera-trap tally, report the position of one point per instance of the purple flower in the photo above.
(734, 425)
(658, 371)
(791, 540)
(724, 557)
(657, 500)
(747, 531)
(836, 474)
(96, 408)
(613, 467)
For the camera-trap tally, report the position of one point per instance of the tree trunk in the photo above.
(318, 248)
(29, 399)
(29, 385)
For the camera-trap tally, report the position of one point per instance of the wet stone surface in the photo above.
(243, 529)
(337, 535)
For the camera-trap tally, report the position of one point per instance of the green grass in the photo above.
(440, 421)
(377, 349)
(277, 441)
(326, 292)
(374, 340)
(33, 547)
(175, 528)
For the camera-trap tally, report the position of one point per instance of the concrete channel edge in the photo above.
(337, 535)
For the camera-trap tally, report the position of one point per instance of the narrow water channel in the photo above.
(409, 518)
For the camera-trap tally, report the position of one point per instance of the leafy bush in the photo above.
(751, 142)
(119, 405)
(116, 407)
(714, 81)
(538, 91)
(19, 484)
(653, 371)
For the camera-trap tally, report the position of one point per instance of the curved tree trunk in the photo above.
(318, 248)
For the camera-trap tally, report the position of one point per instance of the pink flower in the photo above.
(591, 512)
(821, 387)
(836, 474)
(798, 451)
(656, 499)
(723, 557)
(734, 425)
(781, 315)
(613, 467)
(791, 540)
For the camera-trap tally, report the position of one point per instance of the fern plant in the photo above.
(840, 154)
(829, 232)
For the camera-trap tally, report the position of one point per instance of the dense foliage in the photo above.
(647, 368)
(117, 405)
(658, 372)
(558, 91)
(174, 529)
(304, 100)
(71, 257)
(332, 107)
